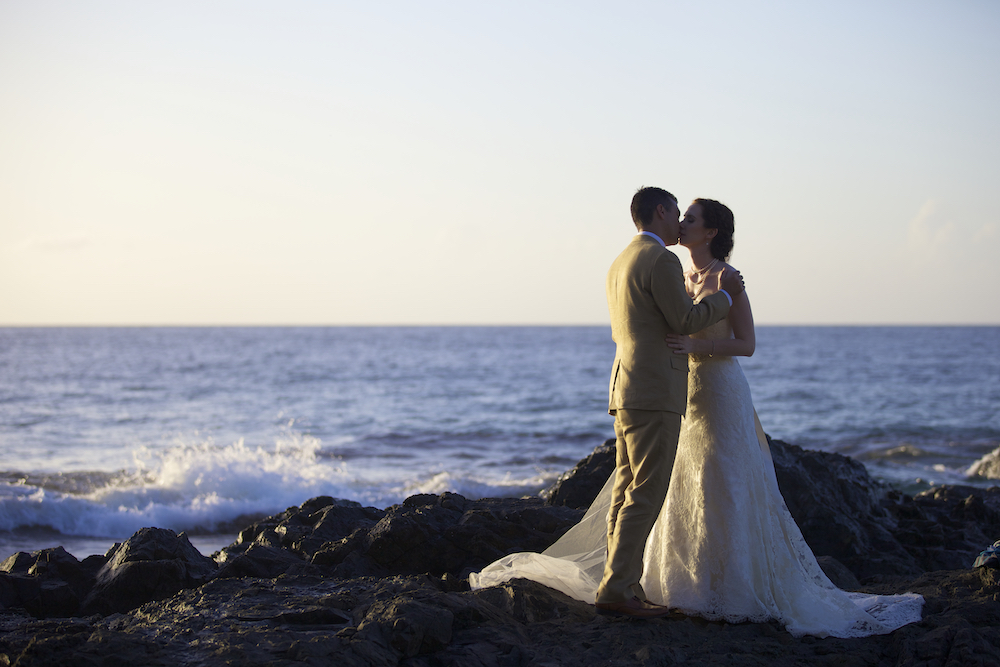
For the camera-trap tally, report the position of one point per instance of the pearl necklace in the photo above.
(700, 274)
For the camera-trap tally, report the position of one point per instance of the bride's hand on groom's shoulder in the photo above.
(731, 281)
(680, 344)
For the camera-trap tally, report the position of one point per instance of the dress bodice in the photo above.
(721, 330)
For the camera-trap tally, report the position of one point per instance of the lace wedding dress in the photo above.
(724, 546)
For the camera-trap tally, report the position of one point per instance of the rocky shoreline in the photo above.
(332, 582)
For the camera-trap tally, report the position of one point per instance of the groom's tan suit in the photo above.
(647, 395)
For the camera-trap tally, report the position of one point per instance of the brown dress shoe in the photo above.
(634, 608)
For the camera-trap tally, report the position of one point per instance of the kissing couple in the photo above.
(692, 519)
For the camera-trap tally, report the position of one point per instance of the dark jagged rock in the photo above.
(304, 530)
(265, 562)
(426, 533)
(153, 564)
(838, 507)
(55, 563)
(285, 543)
(838, 573)
(407, 626)
(578, 487)
(19, 563)
(446, 534)
(873, 529)
(47, 583)
(946, 527)
(308, 620)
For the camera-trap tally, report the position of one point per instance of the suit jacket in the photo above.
(647, 300)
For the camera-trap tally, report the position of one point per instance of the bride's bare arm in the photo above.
(744, 340)
(742, 344)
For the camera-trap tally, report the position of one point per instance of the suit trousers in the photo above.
(644, 460)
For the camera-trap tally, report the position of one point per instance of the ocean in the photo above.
(106, 430)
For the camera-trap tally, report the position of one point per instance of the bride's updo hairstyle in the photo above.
(718, 216)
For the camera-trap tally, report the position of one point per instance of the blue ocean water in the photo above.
(106, 430)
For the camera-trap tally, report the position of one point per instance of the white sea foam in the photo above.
(205, 487)
(472, 487)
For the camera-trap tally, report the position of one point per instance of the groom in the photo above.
(648, 391)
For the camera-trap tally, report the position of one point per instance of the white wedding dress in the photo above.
(724, 546)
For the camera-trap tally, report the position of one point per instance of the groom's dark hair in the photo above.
(644, 204)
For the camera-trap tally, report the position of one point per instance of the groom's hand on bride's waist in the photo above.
(680, 344)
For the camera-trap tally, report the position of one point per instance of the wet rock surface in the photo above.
(151, 565)
(839, 510)
(50, 582)
(419, 620)
(446, 534)
(332, 582)
(946, 527)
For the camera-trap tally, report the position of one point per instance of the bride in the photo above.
(724, 546)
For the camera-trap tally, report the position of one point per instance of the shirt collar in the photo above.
(658, 239)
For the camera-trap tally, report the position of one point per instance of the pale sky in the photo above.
(473, 162)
